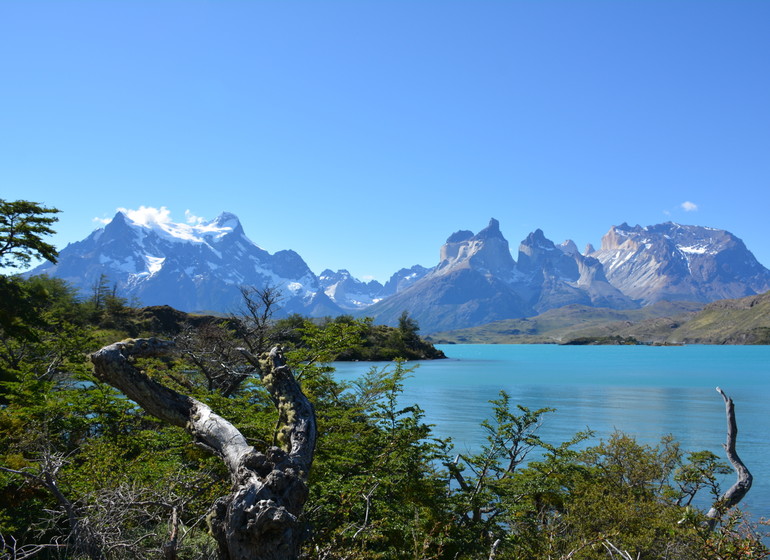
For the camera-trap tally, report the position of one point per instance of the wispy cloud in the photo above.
(688, 206)
(147, 215)
(192, 219)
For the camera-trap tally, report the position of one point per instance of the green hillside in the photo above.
(739, 321)
(730, 321)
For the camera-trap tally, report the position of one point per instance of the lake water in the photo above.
(645, 391)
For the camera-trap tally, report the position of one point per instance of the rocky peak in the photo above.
(404, 278)
(619, 236)
(348, 292)
(228, 221)
(486, 251)
(537, 252)
(568, 247)
(119, 225)
(491, 231)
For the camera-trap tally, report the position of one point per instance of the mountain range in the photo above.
(476, 281)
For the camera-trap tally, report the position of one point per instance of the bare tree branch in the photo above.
(742, 485)
(258, 519)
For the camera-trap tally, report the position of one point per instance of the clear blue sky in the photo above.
(362, 134)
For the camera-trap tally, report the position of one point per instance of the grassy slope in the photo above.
(574, 321)
(734, 321)
(737, 321)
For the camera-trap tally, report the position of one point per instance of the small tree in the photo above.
(23, 225)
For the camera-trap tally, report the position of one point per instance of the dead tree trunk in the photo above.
(258, 519)
(741, 487)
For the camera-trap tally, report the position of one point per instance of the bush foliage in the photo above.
(85, 473)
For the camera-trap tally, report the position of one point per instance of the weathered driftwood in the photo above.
(742, 485)
(258, 519)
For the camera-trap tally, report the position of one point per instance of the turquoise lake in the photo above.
(644, 391)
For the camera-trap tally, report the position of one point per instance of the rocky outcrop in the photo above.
(552, 276)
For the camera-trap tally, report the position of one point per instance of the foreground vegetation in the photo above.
(85, 473)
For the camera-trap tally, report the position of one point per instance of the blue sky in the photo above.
(362, 134)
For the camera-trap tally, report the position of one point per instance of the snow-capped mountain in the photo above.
(190, 267)
(679, 262)
(353, 294)
(348, 292)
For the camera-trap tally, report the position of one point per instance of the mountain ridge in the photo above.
(476, 280)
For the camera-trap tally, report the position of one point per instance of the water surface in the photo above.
(645, 391)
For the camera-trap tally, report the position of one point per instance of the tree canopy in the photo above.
(23, 225)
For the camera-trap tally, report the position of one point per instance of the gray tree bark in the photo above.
(742, 485)
(258, 519)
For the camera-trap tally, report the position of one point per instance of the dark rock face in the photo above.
(555, 276)
(678, 262)
(402, 279)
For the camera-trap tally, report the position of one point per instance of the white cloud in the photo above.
(192, 219)
(147, 215)
(688, 206)
(102, 221)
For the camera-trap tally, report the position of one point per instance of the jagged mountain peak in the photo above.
(348, 292)
(227, 221)
(538, 239)
(537, 251)
(491, 231)
(119, 225)
(569, 247)
(486, 251)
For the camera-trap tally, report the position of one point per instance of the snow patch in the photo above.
(154, 264)
(294, 287)
(696, 249)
